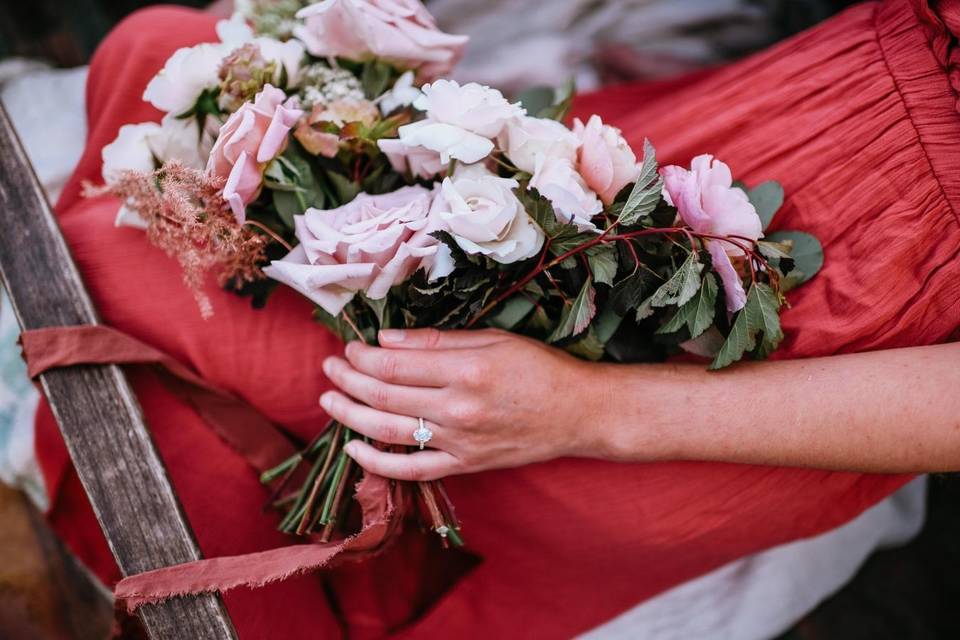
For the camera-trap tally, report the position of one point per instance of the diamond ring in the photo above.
(422, 434)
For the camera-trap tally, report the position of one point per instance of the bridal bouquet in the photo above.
(318, 146)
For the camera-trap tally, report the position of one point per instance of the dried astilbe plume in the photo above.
(187, 217)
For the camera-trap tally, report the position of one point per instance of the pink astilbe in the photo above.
(188, 218)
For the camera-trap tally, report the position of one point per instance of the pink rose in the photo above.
(251, 137)
(399, 31)
(369, 244)
(606, 161)
(419, 162)
(708, 203)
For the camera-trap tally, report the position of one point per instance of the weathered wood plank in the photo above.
(96, 409)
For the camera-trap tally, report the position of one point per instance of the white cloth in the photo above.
(763, 595)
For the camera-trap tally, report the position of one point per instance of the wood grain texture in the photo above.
(98, 414)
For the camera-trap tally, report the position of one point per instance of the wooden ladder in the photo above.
(99, 416)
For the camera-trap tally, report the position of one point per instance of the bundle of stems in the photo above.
(321, 505)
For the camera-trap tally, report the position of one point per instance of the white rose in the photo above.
(288, 57)
(186, 75)
(461, 121)
(130, 151)
(235, 30)
(482, 214)
(526, 138)
(558, 181)
(181, 139)
(403, 93)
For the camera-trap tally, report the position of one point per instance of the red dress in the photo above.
(857, 119)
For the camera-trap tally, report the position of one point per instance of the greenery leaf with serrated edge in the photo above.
(628, 293)
(576, 315)
(588, 346)
(512, 313)
(682, 286)
(607, 323)
(806, 253)
(563, 236)
(766, 198)
(645, 196)
(602, 259)
(697, 314)
(759, 319)
(346, 189)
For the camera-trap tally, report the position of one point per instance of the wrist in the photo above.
(642, 410)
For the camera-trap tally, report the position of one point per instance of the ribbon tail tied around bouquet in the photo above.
(260, 442)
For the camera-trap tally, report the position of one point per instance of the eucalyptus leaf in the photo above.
(563, 100)
(756, 327)
(512, 313)
(345, 188)
(645, 196)
(576, 315)
(766, 198)
(375, 78)
(537, 99)
(805, 251)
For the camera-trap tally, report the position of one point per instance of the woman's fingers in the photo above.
(409, 367)
(409, 401)
(420, 465)
(383, 427)
(435, 339)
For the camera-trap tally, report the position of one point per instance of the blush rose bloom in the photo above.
(400, 31)
(417, 161)
(525, 139)
(251, 137)
(461, 121)
(606, 161)
(558, 181)
(369, 244)
(708, 202)
(482, 214)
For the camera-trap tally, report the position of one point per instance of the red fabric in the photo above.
(857, 118)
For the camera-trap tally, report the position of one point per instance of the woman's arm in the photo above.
(494, 400)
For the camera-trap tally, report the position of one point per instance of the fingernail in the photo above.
(326, 400)
(392, 335)
(350, 449)
(350, 347)
(328, 366)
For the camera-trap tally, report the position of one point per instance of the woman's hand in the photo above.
(492, 399)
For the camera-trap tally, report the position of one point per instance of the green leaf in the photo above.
(756, 327)
(681, 287)
(697, 314)
(287, 204)
(628, 293)
(588, 346)
(375, 78)
(379, 308)
(603, 263)
(645, 196)
(562, 101)
(766, 198)
(607, 323)
(563, 236)
(576, 315)
(512, 313)
(346, 189)
(806, 252)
